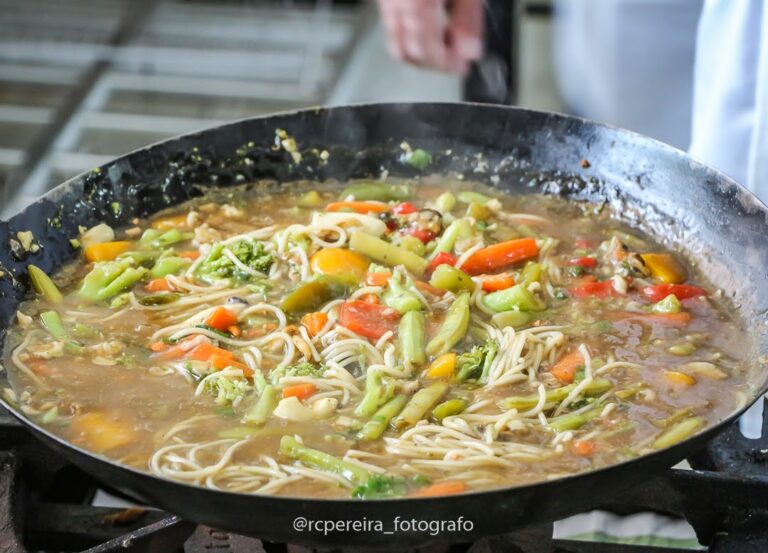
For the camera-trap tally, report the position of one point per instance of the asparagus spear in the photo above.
(262, 409)
(376, 393)
(678, 432)
(412, 340)
(421, 402)
(375, 427)
(386, 253)
(449, 408)
(594, 388)
(315, 458)
(453, 328)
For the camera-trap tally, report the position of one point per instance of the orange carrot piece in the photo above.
(378, 279)
(299, 391)
(315, 322)
(441, 488)
(191, 254)
(565, 368)
(159, 285)
(204, 351)
(494, 283)
(358, 207)
(234, 330)
(158, 346)
(221, 319)
(425, 287)
(658, 319)
(500, 255)
(106, 251)
(583, 448)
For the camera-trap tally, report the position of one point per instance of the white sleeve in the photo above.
(730, 105)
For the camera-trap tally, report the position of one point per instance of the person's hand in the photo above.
(440, 34)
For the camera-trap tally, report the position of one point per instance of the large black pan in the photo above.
(718, 223)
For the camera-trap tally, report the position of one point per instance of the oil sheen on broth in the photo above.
(374, 339)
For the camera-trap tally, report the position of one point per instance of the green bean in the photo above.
(44, 285)
(313, 293)
(517, 297)
(478, 211)
(468, 197)
(452, 279)
(310, 199)
(531, 273)
(411, 334)
(421, 402)
(678, 432)
(387, 253)
(445, 202)
(52, 323)
(453, 328)
(376, 393)
(573, 421)
(169, 266)
(374, 428)
(513, 318)
(459, 229)
(401, 294)
(314, 458)
(377, 192)
(449, 408)
(556, 395)
(260, 411)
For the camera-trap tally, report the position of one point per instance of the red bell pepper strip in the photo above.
(682, 291)
(601, 289)
(367, 319)
(404, 208)
(443, 258)
(584, 262)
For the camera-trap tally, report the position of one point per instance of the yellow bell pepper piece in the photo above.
(99, 432)
(677, 377)
(106, 251)
(665, 267)
(443, 366)
(338, 261)
(170, 222)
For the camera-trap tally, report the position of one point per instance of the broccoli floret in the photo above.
(305, 368)
(381, 486)
(226, 390)
(476, 362)
(250, 253)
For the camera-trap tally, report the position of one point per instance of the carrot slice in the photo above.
(500, 255)
(378, 279)
(315, 322)
(221, 319)
(234, 330)
(299, 391)
(658, 319)
(441, 488)
(191, 254)
(159, 285)
(106, 251)
(583, 448)
(425, 287)
(565, 368)
(358, 207)
(494, 283)
(158, 346)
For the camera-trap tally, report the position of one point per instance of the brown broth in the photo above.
(118, 398)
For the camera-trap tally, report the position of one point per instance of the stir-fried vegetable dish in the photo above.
(373, 339)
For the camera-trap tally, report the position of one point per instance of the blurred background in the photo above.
(82, 81)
